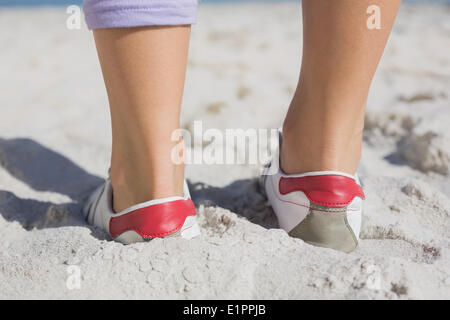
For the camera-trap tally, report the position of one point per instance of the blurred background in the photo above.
(79, 2)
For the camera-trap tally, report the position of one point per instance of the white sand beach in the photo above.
(243, 67)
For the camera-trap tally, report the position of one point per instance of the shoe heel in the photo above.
(327, 227)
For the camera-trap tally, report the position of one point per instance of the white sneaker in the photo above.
(142, 222)
(322, 208)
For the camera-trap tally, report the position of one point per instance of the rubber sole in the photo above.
(326, 227)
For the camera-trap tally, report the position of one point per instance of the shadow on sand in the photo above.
(242, 197)
(45, 170)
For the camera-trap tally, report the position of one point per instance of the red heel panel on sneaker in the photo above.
(154, 221)
(325, 190)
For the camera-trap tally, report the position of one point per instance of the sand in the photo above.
(55, 142)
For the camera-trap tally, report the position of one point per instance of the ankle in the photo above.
(302, 151)
(132, 186)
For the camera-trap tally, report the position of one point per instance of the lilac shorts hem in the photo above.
(100, 14)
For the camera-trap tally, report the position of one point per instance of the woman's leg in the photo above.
(143, 47)
(144, 72)
(324, 125)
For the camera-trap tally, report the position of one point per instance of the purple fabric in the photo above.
(102, 14)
